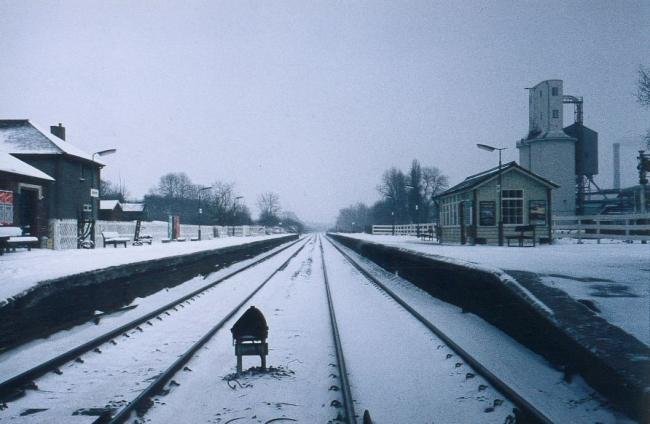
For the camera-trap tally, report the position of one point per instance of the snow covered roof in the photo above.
(132, 207)
(21, 136)
(14, 165)
(474, 180)
(108, 204)
(126, 207)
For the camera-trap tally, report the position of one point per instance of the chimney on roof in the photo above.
(58, 131)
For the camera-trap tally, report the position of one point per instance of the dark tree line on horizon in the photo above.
(220, 204)
(406, 198)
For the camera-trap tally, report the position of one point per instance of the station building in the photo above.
(23, 189)
(56, 181)
(469, 212)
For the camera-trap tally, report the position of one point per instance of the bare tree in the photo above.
(643, 87)
(433, 182)
(269, 206)
(176, 185)
(393, 188)
(113, 191)
(269, 202)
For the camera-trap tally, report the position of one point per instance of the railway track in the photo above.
(338, 340)
(15, 388)
(348, 406)
(527, 412)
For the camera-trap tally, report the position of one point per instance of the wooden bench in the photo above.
(427, 235)
(22, 241)
(114, 238)
(12, 237)
(522, 236)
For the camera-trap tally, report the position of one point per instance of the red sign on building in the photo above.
(6, 207)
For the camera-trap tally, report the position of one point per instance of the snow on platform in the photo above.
(23, 269)
(613, 276)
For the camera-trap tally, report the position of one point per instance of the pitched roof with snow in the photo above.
(108, 204)
(132, 207)
(482, 177)
(16, 166)
(21, 136)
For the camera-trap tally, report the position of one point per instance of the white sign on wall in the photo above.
(94, 192)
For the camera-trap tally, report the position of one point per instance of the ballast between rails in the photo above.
(140, 402)
(17, 383)
(531, 412)
(348, 407)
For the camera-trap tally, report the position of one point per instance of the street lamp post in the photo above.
(500, 209)
(234, 215)
(417, 221)
(392, 215)
(201, 209)
(96, 184)
(101, 153)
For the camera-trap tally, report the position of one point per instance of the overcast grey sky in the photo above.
(314, 100)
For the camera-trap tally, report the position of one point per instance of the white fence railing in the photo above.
(63, 232)
(616, 227)
(404, 230)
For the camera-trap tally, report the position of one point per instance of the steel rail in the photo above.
(348, 406)
(17, 383)
(141, 401)
(526, 407)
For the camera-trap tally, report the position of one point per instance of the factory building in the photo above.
(565, 155)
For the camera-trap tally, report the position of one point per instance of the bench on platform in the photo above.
(427, 235)
(12, 237)
(22, 241)
(522, 236)
(114, 238)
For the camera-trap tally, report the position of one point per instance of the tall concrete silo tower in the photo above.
(547, 150)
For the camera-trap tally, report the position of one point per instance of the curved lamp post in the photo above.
(500, 223)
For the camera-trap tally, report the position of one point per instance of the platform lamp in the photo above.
(500, 223)
(234, 213)
(201, 189)
(100, 153)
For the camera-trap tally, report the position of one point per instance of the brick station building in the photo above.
(62, 182)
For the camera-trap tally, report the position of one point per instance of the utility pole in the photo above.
(644, 168)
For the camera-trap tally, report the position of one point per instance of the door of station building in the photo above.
(28, 211)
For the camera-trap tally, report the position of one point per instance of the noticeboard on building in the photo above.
(487, 213)
(537, 212)
(6, 207)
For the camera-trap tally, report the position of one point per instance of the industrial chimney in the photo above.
(617, 166)
(58, 131)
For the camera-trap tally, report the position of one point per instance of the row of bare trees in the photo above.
(216, 204)
(405, 198)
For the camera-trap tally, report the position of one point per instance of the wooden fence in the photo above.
(617, 227)
(404, 230)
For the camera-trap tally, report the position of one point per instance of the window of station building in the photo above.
(512, 206)
(556, 113)
(554, 91)
(449, 210)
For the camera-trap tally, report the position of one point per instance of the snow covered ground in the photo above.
(23, 269)
(26, 356)
(397, 368)
(614, 276)
(529, 374)
(114, 373)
